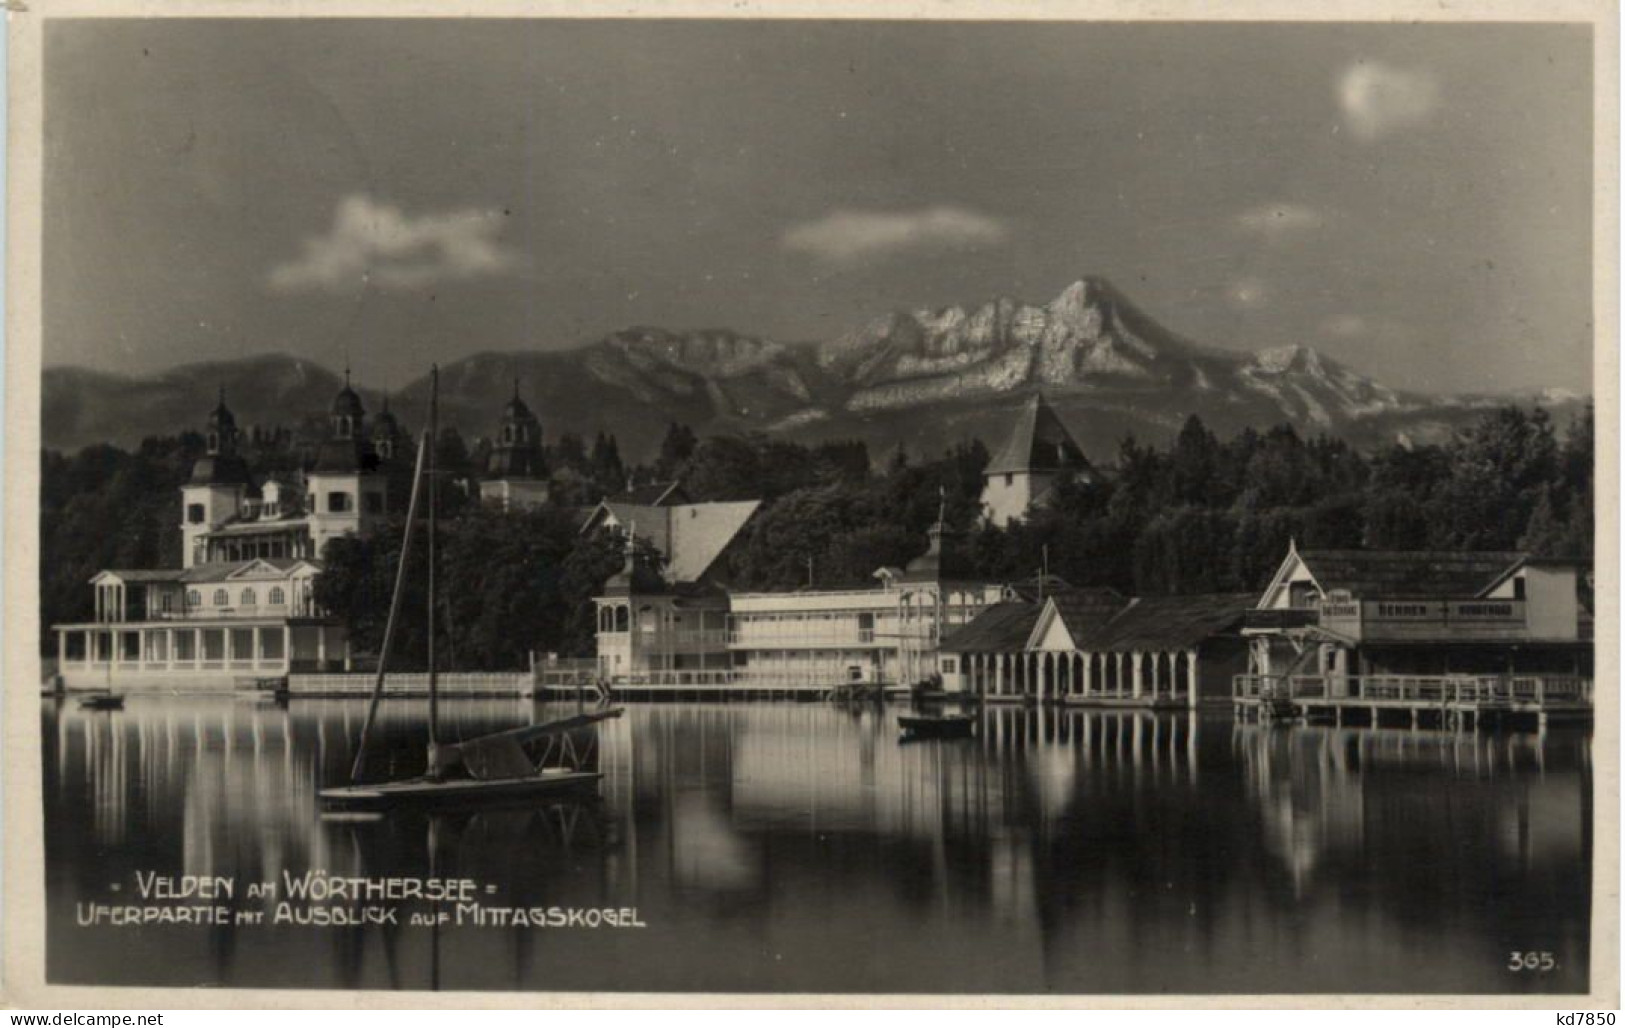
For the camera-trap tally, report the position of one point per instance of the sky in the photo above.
(1414, 201)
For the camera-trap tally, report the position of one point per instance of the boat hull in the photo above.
(420, 792)
(936, 727)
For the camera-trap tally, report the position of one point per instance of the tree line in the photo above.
(1201, 515)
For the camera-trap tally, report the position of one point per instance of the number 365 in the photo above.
(1532, 961)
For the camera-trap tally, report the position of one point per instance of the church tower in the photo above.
(393, 448)
(218, 488)
(1040, 450)
(515, 473)
(346, 487)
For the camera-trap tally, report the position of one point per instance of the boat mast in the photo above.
(394, 609)
(434, 492)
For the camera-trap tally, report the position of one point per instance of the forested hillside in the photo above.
(1206, 514)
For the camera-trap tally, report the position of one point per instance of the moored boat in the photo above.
(936, 726)
(500, 767)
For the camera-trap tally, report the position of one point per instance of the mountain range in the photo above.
(920, 378)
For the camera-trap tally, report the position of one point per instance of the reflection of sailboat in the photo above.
(499, 766)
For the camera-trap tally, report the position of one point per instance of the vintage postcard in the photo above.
(1073, 504)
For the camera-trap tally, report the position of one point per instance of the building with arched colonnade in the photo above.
(1094, 647)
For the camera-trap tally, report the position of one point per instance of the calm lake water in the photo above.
(801, 847)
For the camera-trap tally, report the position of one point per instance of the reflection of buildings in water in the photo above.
(722, 776)
(230, 786)
(1315, 793)
(1306, 797)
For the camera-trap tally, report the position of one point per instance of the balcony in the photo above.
(1515, 690)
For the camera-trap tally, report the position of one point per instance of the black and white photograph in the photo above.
(1026, 505)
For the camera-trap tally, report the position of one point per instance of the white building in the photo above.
(1024, 473)
(886, 635)
(660, 622)
(685, 625)
(241, 607)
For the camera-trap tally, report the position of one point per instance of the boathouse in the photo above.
(1423, 628)
(1095, 647)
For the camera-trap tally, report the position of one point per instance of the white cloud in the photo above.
(1276, 221)
(843, 236)
(1378, 99)
(374, 242)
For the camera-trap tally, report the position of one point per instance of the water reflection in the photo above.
(802, 847)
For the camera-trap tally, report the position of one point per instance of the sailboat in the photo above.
(495, 767)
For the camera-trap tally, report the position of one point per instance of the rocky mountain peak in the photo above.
(1293, 357)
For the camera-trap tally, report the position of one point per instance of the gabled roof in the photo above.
(699, 532)
(691, 536)
(1169, 622)
(1001, 628)
(653, 524)
(1581, 565)
(1038, 442)
(1081, 611)
(272, 565)
(220, 571)
(1380, 574)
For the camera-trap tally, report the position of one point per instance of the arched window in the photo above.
(622, 619)
(248, 598)
(194, 598)
(277, 597)
(220, 598)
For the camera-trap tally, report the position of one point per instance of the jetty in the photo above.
(1434, 701)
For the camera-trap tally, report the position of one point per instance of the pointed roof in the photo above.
(691, 536)
(1038, 442)
(1001, 628)
(1400, 574)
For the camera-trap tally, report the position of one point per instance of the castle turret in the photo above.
(515, 472)
(347, 490)
(218, 488)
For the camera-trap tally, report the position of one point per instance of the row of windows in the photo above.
(337, 503)
(247, 598)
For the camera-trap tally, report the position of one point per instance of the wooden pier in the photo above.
(1448, 701)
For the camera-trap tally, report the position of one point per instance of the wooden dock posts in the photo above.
(1451, 702)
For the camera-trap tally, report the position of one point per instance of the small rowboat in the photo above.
(103, 701)
(936, 726)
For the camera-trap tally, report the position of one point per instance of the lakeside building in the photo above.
(1024, 473)
(885, 635)
(1094, 646)
(684, 624)
(659, 623)
(241, 605)
(1346, 622)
